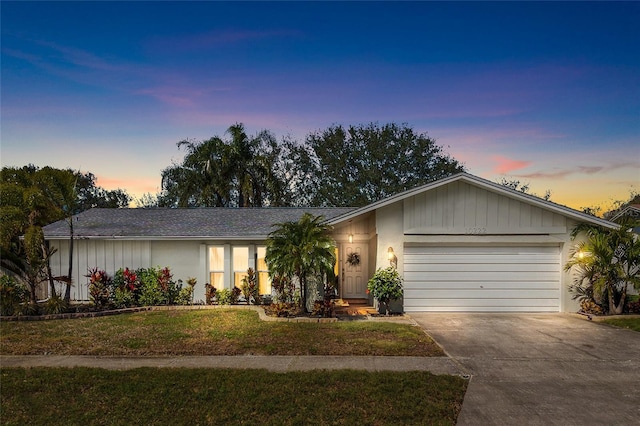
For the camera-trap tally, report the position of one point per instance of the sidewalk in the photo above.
(436, 365)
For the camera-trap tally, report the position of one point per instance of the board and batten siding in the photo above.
(482, 278)
(109, 255)
(461, 208)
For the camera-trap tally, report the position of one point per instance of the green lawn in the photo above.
(631, 323)
(210, 332)
(83, 396)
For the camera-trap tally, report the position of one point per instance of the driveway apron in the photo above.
(541, 369)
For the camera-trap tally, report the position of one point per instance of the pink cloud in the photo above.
(134, 186)
(588, 170)
(507, 165)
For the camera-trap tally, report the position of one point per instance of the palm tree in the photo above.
(608, 262)
(301, 249)
(241, 172)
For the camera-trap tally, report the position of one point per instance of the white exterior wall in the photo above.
(184, 259)
(389, 226)
(463, 209)
(109, 255)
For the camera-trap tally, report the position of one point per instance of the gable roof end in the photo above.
(482, 183)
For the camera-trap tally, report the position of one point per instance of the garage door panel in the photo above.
(483, 293)
(423, 308)
(482, 278)
(494, 285)
(412, 260)
(482, 250)
(485, 267)
(470, 303)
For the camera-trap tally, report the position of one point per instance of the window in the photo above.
(264, 282)
(216, 267)
(240, 264)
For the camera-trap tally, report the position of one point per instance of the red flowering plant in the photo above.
(130, 278)
(164, 278)
(99, 286)
(125, 284)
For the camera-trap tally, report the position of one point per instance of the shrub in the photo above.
(633, 304)
(150, 290)
(385, 286)
(13, 294)
(282, 309)
(125, 288)
(284, 289)
(123, 298)
(224, 296)
(209, 293)
(55, 305)
(99, 287)
(250, 288)
(235, 295)
(590, 307)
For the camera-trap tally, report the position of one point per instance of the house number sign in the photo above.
(475, 231)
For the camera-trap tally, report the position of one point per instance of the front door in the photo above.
(354, 275)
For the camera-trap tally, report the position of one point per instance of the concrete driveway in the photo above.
(541, 369)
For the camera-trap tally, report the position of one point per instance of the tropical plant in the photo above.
(125, 285)
(99, 287)
(185, 294)
(55, 305)
(283, 288)
(607, 261)
(385, 286)
(13, 294)
(36, 197)
(209, 293)
(300, 249)
(249, 287)
(224, 297)
(241, 172)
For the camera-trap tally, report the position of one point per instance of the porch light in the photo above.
(350, 238)
(393, 259)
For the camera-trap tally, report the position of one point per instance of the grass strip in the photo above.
(60, 396)
(630, 323)
(210, 332)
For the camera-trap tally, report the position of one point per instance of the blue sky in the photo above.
(548, 93)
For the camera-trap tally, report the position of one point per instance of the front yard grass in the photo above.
(55, 396)
(209, 332)
(631, 323)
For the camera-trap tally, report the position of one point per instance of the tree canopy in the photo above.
(240, 172)
(358, 165)
(32, 198)
(338, 166)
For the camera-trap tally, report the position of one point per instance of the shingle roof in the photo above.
(230, 223)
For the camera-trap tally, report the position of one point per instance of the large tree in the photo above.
(301, 249)
(240, 172)
(32, 197)
(358, 165)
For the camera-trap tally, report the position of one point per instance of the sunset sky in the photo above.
(547, 93)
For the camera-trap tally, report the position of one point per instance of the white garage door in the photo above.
(488, 279)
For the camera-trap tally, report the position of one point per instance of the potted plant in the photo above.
(385, 286)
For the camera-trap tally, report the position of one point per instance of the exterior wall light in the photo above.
(393, 259)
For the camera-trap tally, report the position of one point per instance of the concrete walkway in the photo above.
(436, 365)
(541, 369)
